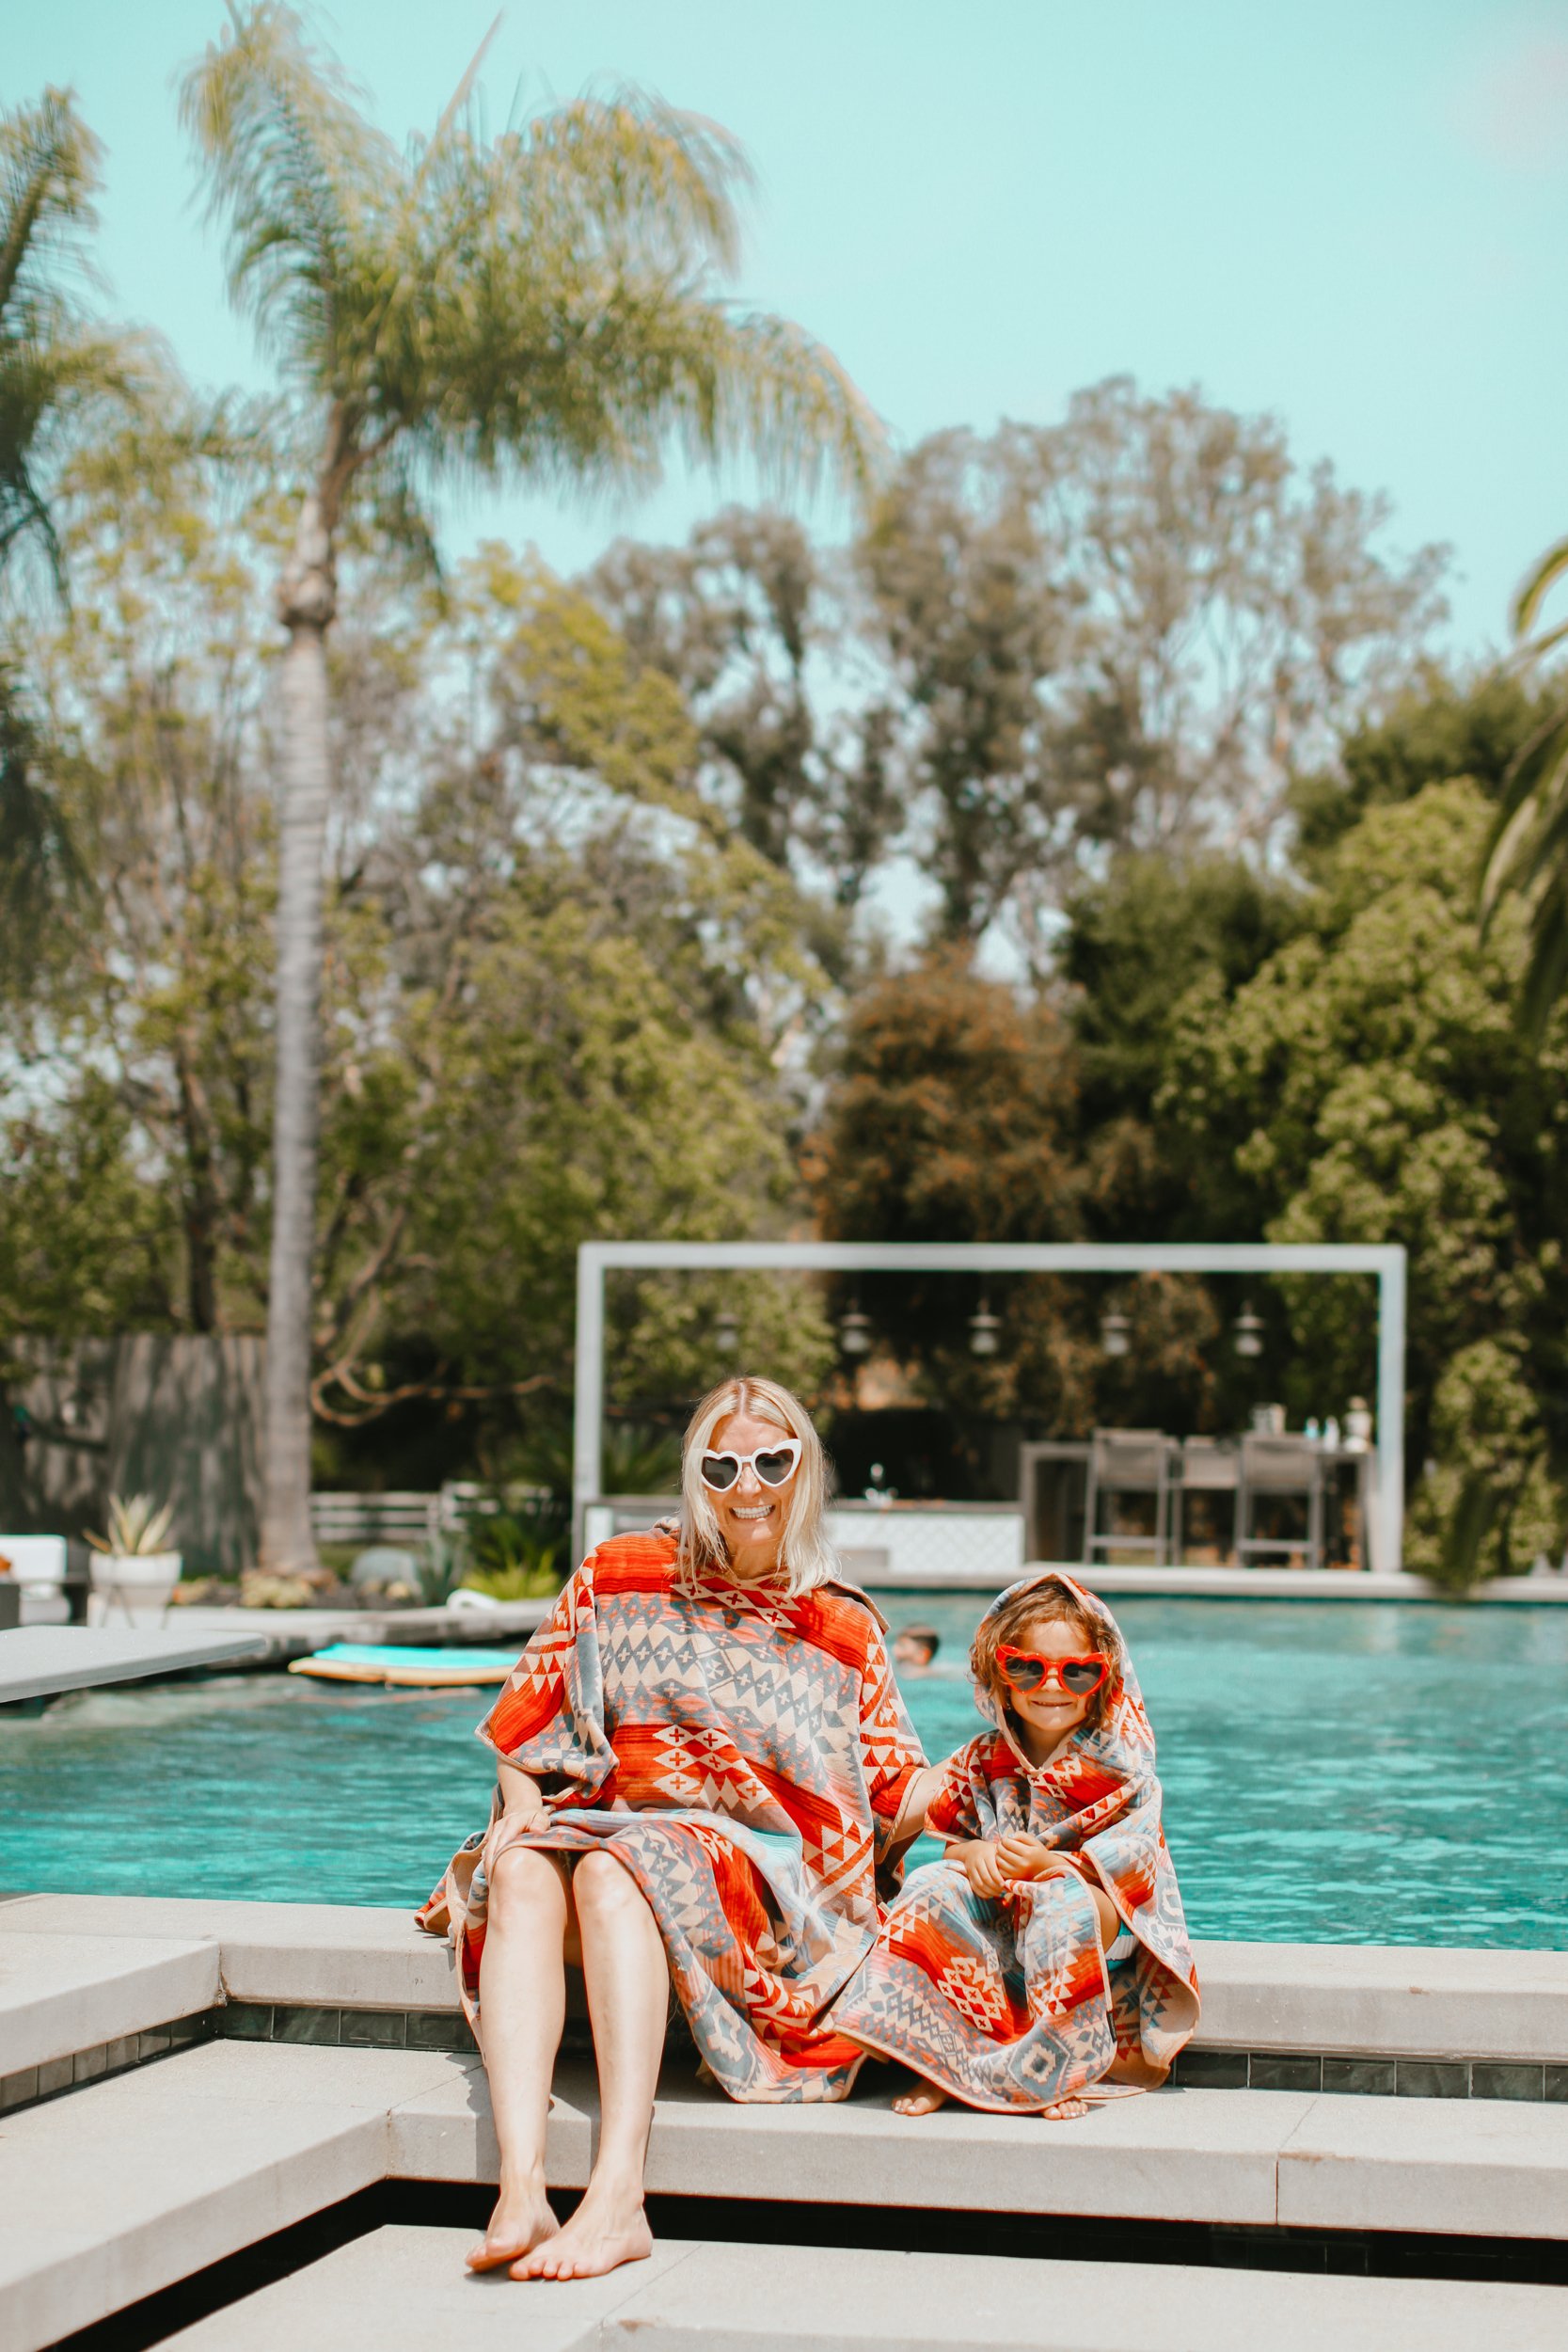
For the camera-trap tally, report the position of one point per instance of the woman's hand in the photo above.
(1025, 1857)
(979, 1861)
(523, 1808)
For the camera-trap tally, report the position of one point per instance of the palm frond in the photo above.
(1532, 788)
(646, 180)
(49, 175)
(297, 175)
(57, 371)
(1537, 587)
(1546, 971)
(542, 304)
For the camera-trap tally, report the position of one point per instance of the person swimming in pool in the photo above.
(915, 1648)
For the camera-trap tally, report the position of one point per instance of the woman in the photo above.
(703, 1759)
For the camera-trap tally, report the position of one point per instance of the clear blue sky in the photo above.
(1353, 213)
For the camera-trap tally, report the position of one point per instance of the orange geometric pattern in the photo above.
(1011, 2003)
(745, 1756)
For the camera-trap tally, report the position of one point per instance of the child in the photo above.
(1046, 1956)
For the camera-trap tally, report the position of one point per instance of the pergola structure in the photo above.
(1387, 1261)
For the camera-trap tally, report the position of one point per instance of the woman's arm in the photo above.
(522, 1797)
(919, 1791)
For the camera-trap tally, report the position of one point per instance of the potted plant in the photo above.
(131, 1561)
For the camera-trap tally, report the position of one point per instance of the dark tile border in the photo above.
(1370, 2076)
(301, 2022)
(240, 2021)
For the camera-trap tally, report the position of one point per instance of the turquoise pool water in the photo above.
(1334, 1773)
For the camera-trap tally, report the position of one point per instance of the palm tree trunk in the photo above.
(306, 605)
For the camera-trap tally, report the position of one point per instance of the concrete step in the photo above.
(124, 2187)
(63, 1995)
(398, 2288)
(1384, 2000)
(1476, 2166)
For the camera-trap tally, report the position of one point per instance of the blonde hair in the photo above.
(806, 1558)
(1052, 1601)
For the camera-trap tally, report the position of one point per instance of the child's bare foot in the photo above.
(521, 2221)
(608, 2228)
(924, 2099)
(1064, 2111)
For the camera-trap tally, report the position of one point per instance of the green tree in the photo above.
(59, 372)
(759, 633)
(1137, 941)
(1128, 631)
(952, 1115)
(1526, 850)
(542, 303)
(145, 1020)
(1440, 727)
(1370, 1085)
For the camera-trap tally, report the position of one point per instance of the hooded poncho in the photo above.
(1011, 2003)
(746, 1755)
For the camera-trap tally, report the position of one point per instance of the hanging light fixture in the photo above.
(983, 1329)
(854, 1330)
(726, 1331)
(1115, 1332)
(1247, 1331)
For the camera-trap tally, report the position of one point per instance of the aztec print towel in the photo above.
(1011, 2003)
(746, 1756)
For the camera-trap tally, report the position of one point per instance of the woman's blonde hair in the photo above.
(806, 1558)
(1053, 1601)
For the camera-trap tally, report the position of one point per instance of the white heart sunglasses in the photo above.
(774, 1464)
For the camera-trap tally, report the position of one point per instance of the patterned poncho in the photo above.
(1011, 2003)
(746, 1756)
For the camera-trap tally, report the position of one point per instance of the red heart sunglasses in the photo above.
(1028, 1670)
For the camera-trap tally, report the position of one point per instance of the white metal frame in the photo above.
(1385, 1260)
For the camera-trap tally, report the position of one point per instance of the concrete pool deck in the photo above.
(182, 2078)
(42, 1660)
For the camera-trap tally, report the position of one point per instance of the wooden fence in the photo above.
(178, 1419)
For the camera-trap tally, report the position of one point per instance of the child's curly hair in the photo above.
(1054, 1600)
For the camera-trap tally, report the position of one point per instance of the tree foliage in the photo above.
(545, 301)
(1369, 1084)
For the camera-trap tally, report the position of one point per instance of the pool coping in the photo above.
(1394, 2019)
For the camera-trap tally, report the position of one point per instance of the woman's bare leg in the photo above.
(627, 1979)
(522, 2006)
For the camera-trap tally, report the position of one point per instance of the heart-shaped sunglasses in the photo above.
(774, 1464)
(1028, 1671)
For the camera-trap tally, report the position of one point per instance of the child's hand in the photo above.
(1024, 1857)
(981, 1866)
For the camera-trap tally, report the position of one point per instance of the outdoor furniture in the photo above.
(1052, 1488)
(1211, 1479)
(1280, 1471)
(1124, 1463)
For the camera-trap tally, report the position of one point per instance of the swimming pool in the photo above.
(1334, 1773)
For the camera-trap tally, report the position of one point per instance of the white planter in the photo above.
(132, 1584)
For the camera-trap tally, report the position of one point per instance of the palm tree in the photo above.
(58, 372)
(542, 304)
(1526, 853)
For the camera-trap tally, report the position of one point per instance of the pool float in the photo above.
(406, 1667)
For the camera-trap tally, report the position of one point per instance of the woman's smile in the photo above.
(751, 1516)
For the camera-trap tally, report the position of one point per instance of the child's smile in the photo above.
(1045, 1717)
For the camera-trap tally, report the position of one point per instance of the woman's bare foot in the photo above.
(608, 2228)
(924, 2099)
(522, 2221)
(1064, 2111)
